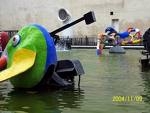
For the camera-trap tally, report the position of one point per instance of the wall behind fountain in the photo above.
(16, 13)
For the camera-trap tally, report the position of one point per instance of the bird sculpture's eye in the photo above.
(15, 40)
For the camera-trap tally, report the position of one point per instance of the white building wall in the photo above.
(16, 13)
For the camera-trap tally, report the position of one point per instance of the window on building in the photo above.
(115, 24)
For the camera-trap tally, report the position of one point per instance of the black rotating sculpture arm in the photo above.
(88, 17)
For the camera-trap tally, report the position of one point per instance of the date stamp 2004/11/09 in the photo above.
(127, 98)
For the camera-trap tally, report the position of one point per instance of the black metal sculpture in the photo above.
(67, 69)
(146, 52)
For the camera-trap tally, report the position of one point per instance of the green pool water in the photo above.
(106, 78)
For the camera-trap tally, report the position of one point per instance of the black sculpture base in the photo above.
(62, 75)
(145, 60)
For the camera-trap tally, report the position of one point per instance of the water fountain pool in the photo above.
(105, 77)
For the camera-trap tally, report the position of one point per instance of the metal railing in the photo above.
(87, 40)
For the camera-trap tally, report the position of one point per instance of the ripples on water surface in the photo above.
(106, 76)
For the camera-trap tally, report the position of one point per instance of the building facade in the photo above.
(121, 14)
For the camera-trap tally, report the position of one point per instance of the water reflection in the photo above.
(146, 83)
(40, 102)
(145, 74)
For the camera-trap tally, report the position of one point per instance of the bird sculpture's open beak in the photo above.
(23, 60)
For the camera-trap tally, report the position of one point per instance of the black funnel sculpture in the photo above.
(145, 59)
